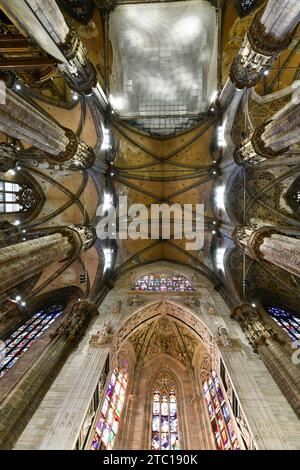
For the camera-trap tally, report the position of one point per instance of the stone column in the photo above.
(9, 233)
(19, 406)
(24, 260)
(270, 347)
(269, 244)
(272, 139)
(8, 157)
(21, 120)
(46, 25)
(270, 33)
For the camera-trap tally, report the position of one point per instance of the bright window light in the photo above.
(108, 257)
(118, 103)
(221, 135)
(106, 140)
(219, 197)
(108, 201)
(214, 96)
(220, 252)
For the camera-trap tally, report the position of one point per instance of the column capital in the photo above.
(253, 150)
(251, 237)
(84, 77)
(263, 42)
(82, 237)
(77, 155)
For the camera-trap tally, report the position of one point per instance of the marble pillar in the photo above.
(270, 32)
(21, 120)
(269, 244)
(23, 260)
(45, 24)
(272, 139)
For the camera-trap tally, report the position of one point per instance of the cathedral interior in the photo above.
(143, 343)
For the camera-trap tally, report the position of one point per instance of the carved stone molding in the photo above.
(136, 300)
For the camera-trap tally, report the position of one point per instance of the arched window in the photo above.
(15, 197)
(109, 420)
(163, 282)
(165, 434)
(288, 322)
(222, 422)
(23, 338)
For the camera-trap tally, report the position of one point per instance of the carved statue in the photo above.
(223, 334)
(102, 337)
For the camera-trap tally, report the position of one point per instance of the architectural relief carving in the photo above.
(74, 327)
(254, 326)
(135, 300)
(261, 46)
(102, 337)
(205, 368)
(191, 302)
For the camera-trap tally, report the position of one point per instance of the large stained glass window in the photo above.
(21, 340)
(164, 416)
(288, 322)
(109, 420)
(222, 422)
(161, 282)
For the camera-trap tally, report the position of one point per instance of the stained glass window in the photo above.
(109, 420)
(288, 322)
(164, 416)
(21, 340)
(161, 282)
(222, 422)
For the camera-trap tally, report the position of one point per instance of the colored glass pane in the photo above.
(163, 283)
(109, 420)
(164, 417)
(286, 320)
(23, 338)
(222, 422)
